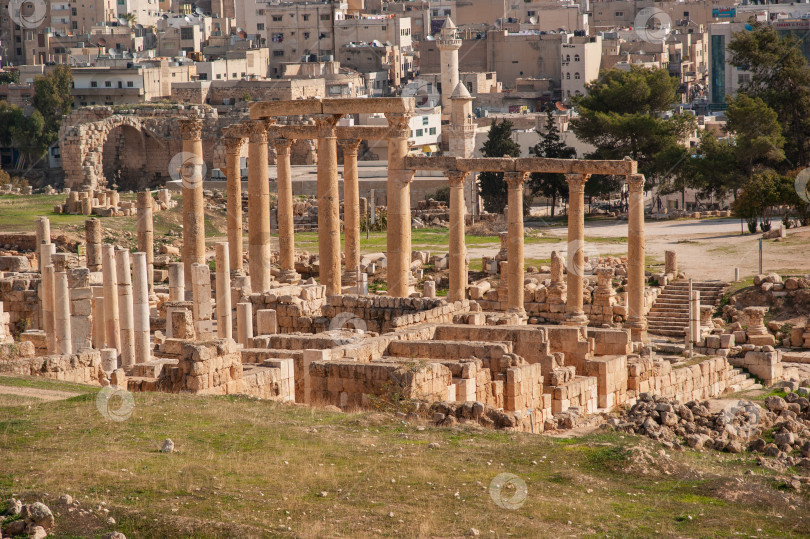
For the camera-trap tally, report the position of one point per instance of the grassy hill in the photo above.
(247, 468)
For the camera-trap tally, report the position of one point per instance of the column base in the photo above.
(638, 328)
(289, 276)
(575, 319)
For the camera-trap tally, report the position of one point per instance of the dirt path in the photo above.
(707, 249)
(37, 393)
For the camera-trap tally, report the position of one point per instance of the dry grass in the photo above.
(247, 468)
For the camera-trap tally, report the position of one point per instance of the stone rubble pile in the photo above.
(781, 430)
(34, 520)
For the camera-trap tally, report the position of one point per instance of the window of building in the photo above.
(187, 32)
(93, 84)
(130, 84)
(233, 75)
(277, 18)
(432, 131)
(203, 76)
(576, 57)
(425, 120)
(420, 132)
(411, 133)
(120, 84)
(567, 57)
(531, 13)
(260, 26)
(219, 75)
(568, 76)
(619, 14)
(278, 37)
(305, 17)
(306, 35)
(278, 53)
(576, 75)
(325, 17)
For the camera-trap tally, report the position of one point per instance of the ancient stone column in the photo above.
(244, 322)
(286, 223)
(92, 238)
(191, 174)
(81, 295)
(177, 282)
(43, 230)
(557, 289)
(458, 245)
(328, 205)
(259, 247)
(223, 274)
(636, 319)
(670, 262)
(515, 181)
(47, 294)
(399, 206)
(99, 332)
(146, 236)
(351, 203)
(233, 173)
(125, 308)
(112, 328)
(140, 307)
(201, 307)
(61, 315)
(574, 314)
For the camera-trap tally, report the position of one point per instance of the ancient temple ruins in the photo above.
(255, 326)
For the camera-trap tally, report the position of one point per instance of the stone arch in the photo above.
(84, 145)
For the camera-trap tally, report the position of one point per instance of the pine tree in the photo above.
(552, 186)
(491, 185)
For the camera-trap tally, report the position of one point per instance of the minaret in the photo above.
(461, 130)
(449, 44)
(460, 135)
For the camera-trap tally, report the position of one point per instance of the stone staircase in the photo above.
(740, 380)
(669, 315)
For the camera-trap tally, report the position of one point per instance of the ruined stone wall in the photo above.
(83, 367)
(296, 306)
(347, 384)
(19, 294)
(383, 314)
(701, 381)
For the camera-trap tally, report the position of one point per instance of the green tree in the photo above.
(53, 100)
(781, 77)
(715, 168)
(758, 135)
(758, 195)
(23, 133)
(9, 77)
(551, 186)
(491, 185)
(623, 115)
